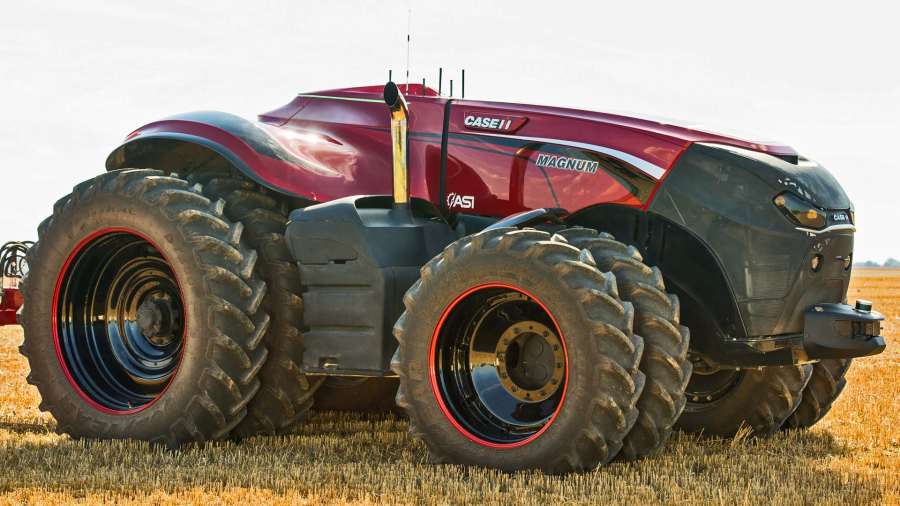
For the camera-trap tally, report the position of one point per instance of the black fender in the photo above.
(199, 139)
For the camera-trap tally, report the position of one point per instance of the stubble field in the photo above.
(851, 457)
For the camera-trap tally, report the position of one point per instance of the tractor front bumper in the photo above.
(842, 331)
(829, 331)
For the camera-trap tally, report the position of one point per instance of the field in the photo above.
(851, 457)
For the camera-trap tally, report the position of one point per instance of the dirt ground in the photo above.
(851, 457)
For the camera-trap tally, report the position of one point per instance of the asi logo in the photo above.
(460, 201)
(492, 122)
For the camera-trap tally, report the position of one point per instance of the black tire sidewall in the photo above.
(752, 394)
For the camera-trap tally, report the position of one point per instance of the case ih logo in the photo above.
(493, 122)
(567, 163)
(461, 201)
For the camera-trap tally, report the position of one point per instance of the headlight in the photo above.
(800, 211)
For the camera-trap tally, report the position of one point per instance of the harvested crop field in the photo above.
(851, 457)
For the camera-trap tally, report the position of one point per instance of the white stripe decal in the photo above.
(349, 99)
(654, 171)
(844, 226)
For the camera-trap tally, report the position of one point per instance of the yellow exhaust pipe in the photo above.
(399, 113)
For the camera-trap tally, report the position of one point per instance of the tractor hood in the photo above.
(674, 131)
(804, 177)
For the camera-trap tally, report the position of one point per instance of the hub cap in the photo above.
(119, 321)
(527, 354)
(499, 365)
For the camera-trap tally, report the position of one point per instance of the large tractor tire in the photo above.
(286, 394)
(721, 402)
(142, 312)
(656, 319)
(517, 353)
(357, 394)
(825, 385)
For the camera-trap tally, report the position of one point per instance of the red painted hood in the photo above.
(680, 132)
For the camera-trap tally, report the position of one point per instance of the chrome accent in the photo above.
(348, 99)
(652, 170)
(399, 112)
(845, 226)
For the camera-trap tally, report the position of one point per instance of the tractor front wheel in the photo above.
(720, 402)
(825, 385)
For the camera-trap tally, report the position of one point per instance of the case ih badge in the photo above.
(493, 122)
(273, 275)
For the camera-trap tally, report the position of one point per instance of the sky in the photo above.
(76, 77)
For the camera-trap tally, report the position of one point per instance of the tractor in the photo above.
(520, 280)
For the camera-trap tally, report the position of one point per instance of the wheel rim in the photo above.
(499, 365)
(119, 321)
(705, 390)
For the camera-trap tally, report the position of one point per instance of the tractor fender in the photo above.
(279, 159)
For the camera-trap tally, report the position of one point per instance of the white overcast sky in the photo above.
(75, 77)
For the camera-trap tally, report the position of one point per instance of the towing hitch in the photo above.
(842, 331)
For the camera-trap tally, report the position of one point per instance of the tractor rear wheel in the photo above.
(825, 385)
(512, 341)
(722, 401)
(142, 317)
(286, 394)
(656, 319)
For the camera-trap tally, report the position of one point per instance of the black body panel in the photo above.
(740, 266)
(725, 198)
(357, 257)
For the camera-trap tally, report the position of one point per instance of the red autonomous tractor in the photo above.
(527, 274)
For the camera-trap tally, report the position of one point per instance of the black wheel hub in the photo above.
(156, 318)
(708, 386)
(500, 365)
(527, 354)
(120, 321)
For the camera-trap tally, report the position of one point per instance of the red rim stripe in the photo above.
(433, 372)
(55, 320)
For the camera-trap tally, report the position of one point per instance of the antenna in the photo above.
(463, 95)
(440, 79)
(408, 25)
(389, 75)
(423, 87)
(451, 87)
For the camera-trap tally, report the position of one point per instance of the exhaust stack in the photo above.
(399, 112)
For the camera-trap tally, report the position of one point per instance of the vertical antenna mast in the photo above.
(463, 94)
(408, 25)
(440, 80)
